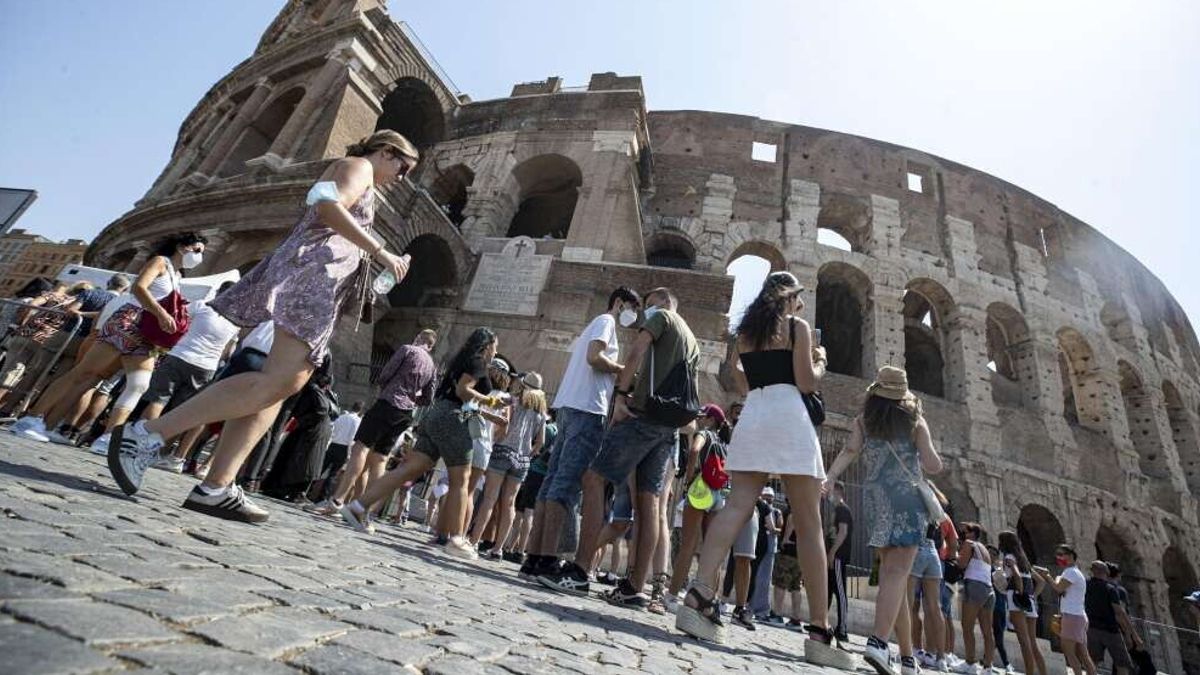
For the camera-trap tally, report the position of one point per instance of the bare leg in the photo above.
(970, 616)
(662, 552)
(491, 493)
(903, 628)
(915, 611)
(413, 467)
(458, 501)
(1038, 659)
(894, 567)
(930, 599)
(508, 495)
(591, 521)
(693, 525)
(350, 472)
(804, 494)
(188, 442)
(100, 362)
(234, 445)
(286, 371)
(741, 580)
(526, 524)
(726, 525)
(131, 364)
(152, 411)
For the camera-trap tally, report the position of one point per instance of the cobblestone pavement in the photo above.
(92, 581)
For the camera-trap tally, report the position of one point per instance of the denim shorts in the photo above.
(622, 506)
(927, 564)
(508, 462)
(641, 446)
(945, 596)
(578, 441)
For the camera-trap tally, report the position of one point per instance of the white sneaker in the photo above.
(354, 518)
(908, 666)
(100, 445)
(925, 659)
(879, 658)
(940, 666)
(201, 472)
(325, 507)
(671, 602)
(169, 463)
(1009, 670)
(966, 668)
(59, 439)
(459, 547)
(135, 450)
(24, 423)
(230, 504)
(34, 429)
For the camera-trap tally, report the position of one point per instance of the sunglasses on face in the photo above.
(406, 163)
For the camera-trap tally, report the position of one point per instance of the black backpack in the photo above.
(675, 402)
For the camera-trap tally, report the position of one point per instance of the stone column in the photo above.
(245, 115)
(316, 94)
(884, 346)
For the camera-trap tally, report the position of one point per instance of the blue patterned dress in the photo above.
(304, 283)
(891, 501)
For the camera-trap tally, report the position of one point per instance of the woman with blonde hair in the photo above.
(320, 269)
(893, 439)
(509, 463)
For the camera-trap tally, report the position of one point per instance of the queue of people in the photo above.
(624, 457)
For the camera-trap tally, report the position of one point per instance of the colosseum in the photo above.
(1060, 376)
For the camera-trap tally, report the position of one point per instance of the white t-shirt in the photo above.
(261, 338)
(1072, 600)
(207, 336)
(344, 428)
(584, 388)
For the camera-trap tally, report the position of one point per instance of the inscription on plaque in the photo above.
(509, 282)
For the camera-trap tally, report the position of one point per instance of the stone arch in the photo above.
(1082, 387)
(257, 137)
(433, 274)
(1040, 531)
(761, 249)
(449, 190)
(1183, 432)
(1010, 356)
(1180, 576)
(848, 217)
(1113, 545)
(670, 249)
(929, 341)
(1117, 324)
(962, 506)
(548, 191)
(1143, 427)
(843, 314)
(413, 109)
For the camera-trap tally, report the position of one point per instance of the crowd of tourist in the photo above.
(626, 479)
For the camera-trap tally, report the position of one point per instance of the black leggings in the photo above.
(1000, 625)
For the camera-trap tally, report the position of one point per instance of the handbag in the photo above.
(176, 307)
(933, 507)
(1056, 625)
(814, 403)
(952, 572)
(681, 403)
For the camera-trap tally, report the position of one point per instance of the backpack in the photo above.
(675, 402)
(712, 467)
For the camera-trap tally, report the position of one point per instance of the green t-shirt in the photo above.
(673, 343)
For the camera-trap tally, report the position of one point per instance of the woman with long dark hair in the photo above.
(443, 434)
(1022, 596)
(120, 342)
(775, 435)
(893, 440)
(319, 269)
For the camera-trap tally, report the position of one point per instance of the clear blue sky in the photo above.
(1093, 106)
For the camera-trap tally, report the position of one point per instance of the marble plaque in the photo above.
(511, 281)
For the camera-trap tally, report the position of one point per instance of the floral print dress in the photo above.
(891, 501)
(304, 284)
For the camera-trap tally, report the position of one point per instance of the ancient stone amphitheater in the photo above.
(1060, 377)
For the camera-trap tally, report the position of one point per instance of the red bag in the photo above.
(176, 307)
(713, 467)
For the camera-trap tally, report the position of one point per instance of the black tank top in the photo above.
(770, 366)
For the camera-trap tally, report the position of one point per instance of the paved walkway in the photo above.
(92, 581)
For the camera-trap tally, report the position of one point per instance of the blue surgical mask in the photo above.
(651, 311)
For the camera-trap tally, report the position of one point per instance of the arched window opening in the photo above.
(962, 506)
(432, 276)
(1083, 389)
(450, 191)
(257, 138)
(1143, 429)
(760, 249)
(1070, 409)
(843, 315)
(1117, 325)
(1007, 336)
(1040, 533)
(412, 109)
(1184, 434)
(667, 249)
(926, 308)
(120, 261)
(1180, 576)
(844, 222)
(549, 188)
(748, 272)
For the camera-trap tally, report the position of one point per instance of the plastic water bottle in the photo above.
(386, 281)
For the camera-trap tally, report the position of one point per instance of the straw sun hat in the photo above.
(892, 383)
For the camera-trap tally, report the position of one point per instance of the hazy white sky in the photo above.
(1094, 106)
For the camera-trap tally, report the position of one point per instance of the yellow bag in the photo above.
(1056, 625)
(700, 496)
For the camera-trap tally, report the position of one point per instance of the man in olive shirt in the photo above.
(634, 445)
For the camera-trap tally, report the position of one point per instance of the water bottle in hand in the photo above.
(386, 281)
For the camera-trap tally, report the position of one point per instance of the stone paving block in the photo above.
(327, 599)
(52, 543)
(164, 555)
(393, 620)
(137, 570)
(93, 622)
(272, 632)
(27, 648)
(63, 572)
(340, 660)
(457, 665)
(24, 588)
(167, 605)
(390, 648)
(197, 659)
(472, 642)
(233, 598)
(376, 595)
(286, 578)
(219, 577)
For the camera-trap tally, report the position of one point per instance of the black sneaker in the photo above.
(571, 579)
(514, 557)
(485, 546)
(743, 617)
(625, 595)
(230, 504)
(607, 579)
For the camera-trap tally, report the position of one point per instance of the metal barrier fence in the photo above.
(1174, 649)
(16, 314)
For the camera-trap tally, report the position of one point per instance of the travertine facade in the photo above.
(1060, 377)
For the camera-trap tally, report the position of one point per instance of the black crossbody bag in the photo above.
(813, 402)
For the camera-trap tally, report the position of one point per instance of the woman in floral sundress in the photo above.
(893, 441)
(320, 269)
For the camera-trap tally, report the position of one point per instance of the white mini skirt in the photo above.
(775, 435)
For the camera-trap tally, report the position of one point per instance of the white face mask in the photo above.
(191, 259)
(651, 311)
(628, 317)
